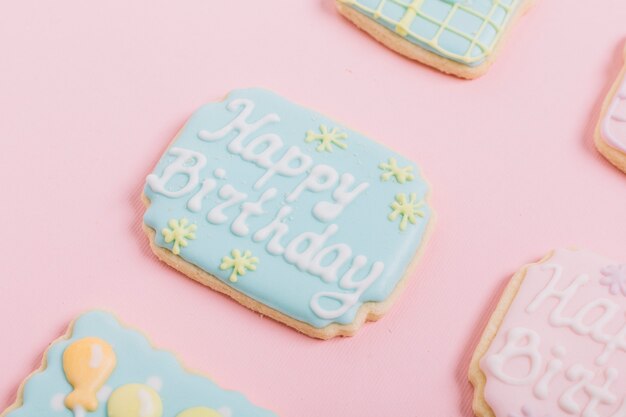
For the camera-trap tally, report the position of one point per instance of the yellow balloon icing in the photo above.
(87, 364)
(199, 412)
(134, 400)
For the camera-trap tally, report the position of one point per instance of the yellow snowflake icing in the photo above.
(239, 263)
(391, 169)
(327, 138)
(407, 208)
(178, 232)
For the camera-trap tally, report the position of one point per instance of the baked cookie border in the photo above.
(476, 376)
(615, 156)
(415, 52)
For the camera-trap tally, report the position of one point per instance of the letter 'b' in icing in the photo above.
(247, 177)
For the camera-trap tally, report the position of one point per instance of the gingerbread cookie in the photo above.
(459, 37)
(101, 368)
(610, 135)
(288, 212)
(556, 344)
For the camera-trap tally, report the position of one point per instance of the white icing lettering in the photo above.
(597, 394)
(577, 323)
(195, 203)
(313, 241)
(542, 388)
(239, 226)
(307, 251)
(188, 163)
(347, 282)
(277, 228)
(326, 211)
(269, 144)
(617, 341)
(515, 349)
(239, 124)
(579, 374)
(564, 296)
(285, 166)
(328, 273)
(232, 197)
(601, 394)
(321, 177)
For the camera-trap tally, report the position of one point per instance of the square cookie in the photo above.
(556, 344)
(459, 37)
(101, 368)
(288, 212)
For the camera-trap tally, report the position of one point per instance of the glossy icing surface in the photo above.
(145, 382)
(561, 349)
(301, 195)
(465, 31)
(614, 123)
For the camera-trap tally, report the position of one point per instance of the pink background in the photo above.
(92, 92)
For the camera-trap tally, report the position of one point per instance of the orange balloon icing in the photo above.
(87, 363)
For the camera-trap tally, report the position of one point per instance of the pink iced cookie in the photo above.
(556, 344)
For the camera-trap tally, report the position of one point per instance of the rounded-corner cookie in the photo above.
(288, 212)
(458, 37)
(556, 343)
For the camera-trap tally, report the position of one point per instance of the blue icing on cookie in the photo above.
(299, 162)
(137, 362)
(465, 31)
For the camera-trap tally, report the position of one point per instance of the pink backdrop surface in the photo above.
(91, 93)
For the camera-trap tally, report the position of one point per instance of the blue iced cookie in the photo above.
(103, 369)
(458, 37)
(285, 210)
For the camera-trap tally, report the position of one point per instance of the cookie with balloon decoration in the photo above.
(610, 134)
(459, 37)
(288, 212)
(556, 343)
(103, 369)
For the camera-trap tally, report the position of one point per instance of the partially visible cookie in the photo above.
(556, 344)
(288, 212)
(610, 135)
(459, 37)
(101, 368)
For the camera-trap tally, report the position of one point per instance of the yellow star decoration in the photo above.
(391, 169)
(327, 138)
(239, 263)
(408, 209)
(178, 232)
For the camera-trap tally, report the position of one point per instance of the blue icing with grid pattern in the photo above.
(137, 362)
(293, 287)
(465, 31)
